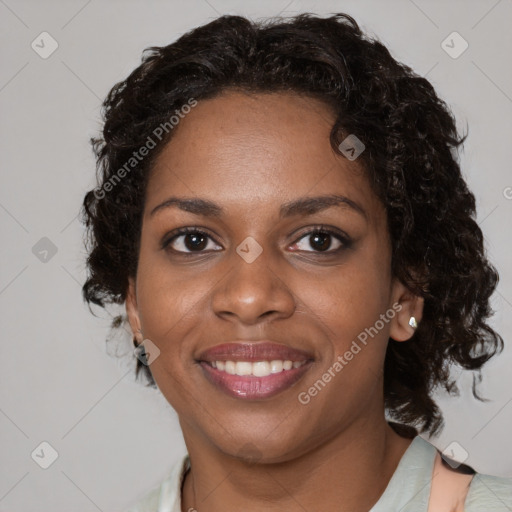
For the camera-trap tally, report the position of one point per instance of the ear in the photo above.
(407, 305)
(132, 310)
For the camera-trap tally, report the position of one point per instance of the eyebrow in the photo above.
(301, 206)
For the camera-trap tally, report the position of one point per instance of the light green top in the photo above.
(407, 491)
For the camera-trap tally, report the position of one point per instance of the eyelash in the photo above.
(344, 239)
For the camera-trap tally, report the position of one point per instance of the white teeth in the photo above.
(261, 369)
(276, 366)
(256, 369)
(243, 368)
(230, 367)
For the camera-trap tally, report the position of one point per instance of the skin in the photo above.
(250, 154)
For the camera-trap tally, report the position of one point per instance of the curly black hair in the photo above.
(410, 159)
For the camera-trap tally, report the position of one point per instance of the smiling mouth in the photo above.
(254, 371)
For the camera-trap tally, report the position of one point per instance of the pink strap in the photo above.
(448, 489)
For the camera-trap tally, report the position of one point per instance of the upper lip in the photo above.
(263, 350)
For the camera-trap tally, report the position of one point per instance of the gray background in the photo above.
(115, 438)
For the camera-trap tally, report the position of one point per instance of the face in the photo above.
(265, 275)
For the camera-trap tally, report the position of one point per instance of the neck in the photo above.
(351, 470)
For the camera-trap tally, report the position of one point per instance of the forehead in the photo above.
(252, 150)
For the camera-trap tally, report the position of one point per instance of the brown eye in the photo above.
(190, 240)
(321, 240)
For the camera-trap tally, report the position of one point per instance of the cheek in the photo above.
(353, 305)
(167, 301)
(355, 298)
(168, 308)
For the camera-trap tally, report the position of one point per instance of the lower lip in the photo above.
(249, 387)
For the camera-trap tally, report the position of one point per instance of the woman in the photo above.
(281, 212)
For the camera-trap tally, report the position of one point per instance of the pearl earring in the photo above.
(413, 323)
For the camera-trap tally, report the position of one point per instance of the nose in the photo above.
(253, 292)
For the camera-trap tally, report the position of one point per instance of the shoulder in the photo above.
(482, 492)
(165, 497)
(489, 493)
(149, 503)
